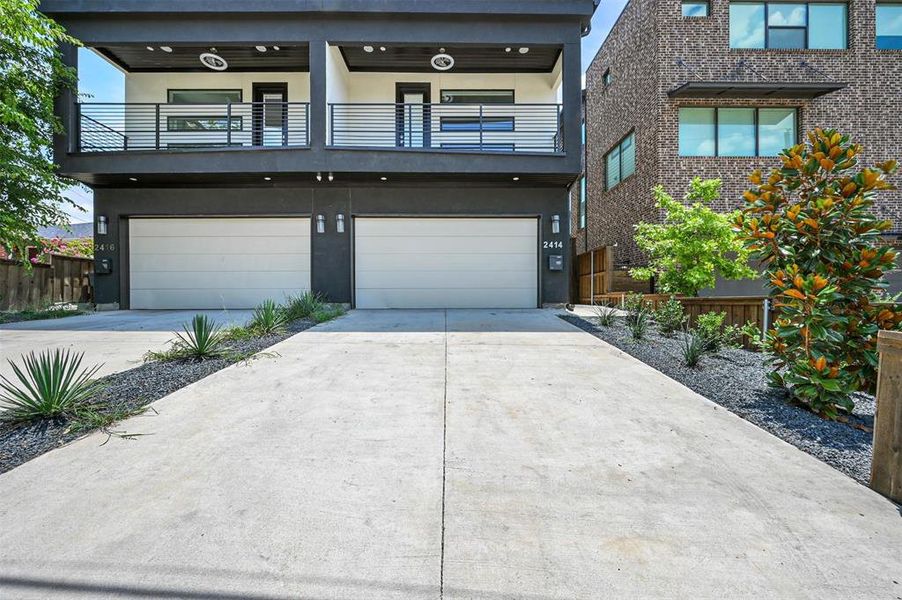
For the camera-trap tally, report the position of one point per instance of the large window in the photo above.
(204, 96)
(620, 162)
(889, 26)
(785, 25)
(736, 131)
(477, 96)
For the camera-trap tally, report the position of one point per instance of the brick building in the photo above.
(716, 89)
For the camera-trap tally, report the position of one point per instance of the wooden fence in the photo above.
(65, 279)
(886, 467)
(594, 273)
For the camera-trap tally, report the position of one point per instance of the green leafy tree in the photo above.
(812, 225)
(32, 74)
(693, 245)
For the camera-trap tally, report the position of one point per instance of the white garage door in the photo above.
(216, 263)
(446, 263)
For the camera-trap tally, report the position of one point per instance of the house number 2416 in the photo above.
(553, 245)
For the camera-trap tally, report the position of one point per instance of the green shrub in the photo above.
(813, 224)
(269, 318)
(327, 313)
(606, 315)
(670, 317)
(50, 384)
(203, 339)
(710, 328)
(238, 333)
(303, 305)
(693, 245)
(692, 347)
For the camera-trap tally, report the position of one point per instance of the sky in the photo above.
(101, 82)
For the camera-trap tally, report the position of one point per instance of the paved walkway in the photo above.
(118, 339)
(433, 454)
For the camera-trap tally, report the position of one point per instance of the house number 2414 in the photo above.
(553, 244)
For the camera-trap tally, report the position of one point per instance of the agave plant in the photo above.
(303, 305)
(203, 339)
(50, 384)
(269, 318)
(606, 315)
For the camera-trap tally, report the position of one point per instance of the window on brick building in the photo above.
(785, 25)
(620, 162)
(581, 213)
(695, 8)
(706, 131)
(889, 26)
(606, 78)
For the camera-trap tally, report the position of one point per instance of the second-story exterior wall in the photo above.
(153, 87)
(869, 108)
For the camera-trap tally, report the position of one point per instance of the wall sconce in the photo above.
(556, 224)
(340, 223)
(102, 224)
(320, 224)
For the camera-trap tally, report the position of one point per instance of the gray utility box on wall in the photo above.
(555, 262)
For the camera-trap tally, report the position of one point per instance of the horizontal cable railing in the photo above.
(505, 128)
(106, 127)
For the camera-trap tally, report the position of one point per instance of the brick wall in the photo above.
(869, 109)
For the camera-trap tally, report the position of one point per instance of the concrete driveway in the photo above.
(442, 454)
(118, 339)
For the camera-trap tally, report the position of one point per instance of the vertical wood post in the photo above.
(886, 468)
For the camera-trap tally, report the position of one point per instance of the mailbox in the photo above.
(104, 266)
(555, 262)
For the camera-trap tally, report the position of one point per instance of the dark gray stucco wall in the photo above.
(332, 272)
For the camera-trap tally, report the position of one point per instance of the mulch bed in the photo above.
(126, 392)
(735, 379)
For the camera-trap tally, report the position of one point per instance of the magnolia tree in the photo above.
(811, 224)
(694, 244)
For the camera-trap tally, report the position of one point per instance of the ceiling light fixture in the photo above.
(261, 48)
(384, 178)
(368, 49)
(331, 178)
(213, 61)
(381, 48)
(166, 49)
(524, 50)
(149, 48)
(276, 48)
(508, 49)
(267, 179)
(133, 179)
(442, 62)
(319, 176)
(516, 179)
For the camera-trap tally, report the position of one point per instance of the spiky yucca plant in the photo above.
(203, 339)
(50, 384)
(269, 318)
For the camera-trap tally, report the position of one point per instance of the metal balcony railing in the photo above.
(504, 128)
(107, 127)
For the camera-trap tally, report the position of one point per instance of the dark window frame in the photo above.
(442, 92)
(582, 188)
(757, 121)
(239, 120)
(707, 4)
(606, 78)
(170, 91)
(807, 27)
(619, 146)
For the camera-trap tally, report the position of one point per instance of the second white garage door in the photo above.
(446, 263)
(214, 263)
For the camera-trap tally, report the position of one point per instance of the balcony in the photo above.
(495, 128)
(104, 127)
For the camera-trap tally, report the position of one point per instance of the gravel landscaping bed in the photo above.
(127, 393)
(735, 379)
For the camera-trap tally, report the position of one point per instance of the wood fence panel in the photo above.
(594, 272)
(65, 279)
(886, 467)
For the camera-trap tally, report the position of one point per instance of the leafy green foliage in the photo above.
(202, 338)
(327, 313)
(670, 317)
(637, 315)
(303, 306)
(32, 74)
(710, 328)
(692, 346)
(50, 384)
(811, 223)
(693, 245)
(606, 315)
(269, 318)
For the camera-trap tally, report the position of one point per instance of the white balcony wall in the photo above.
(142, 90)
(534, 126)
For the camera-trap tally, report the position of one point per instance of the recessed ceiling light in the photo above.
(381, 48)
(368, 48)
(276, 48)
(384, 178)
(524, 50)
(267, 179)
(508, 49)
(331, 178)
(516, 179)
(165, 48)
(319, 176)
(150, 48)
(261, 48)
(133, 179)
